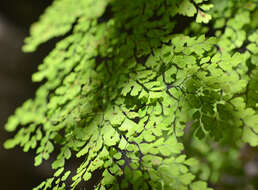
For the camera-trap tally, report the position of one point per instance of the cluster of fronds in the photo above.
(130, 79)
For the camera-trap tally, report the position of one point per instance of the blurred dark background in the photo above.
(16, 68)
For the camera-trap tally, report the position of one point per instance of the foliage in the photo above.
(131, 80)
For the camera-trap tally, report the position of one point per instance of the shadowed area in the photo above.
(16, 68)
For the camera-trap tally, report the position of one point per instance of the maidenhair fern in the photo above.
(131, 80)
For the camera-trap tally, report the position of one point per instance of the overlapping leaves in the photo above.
(120, 92)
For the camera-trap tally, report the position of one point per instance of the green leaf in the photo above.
(187, 8)
(10, 143)
(38, 160)
(199, 185)
(66, 175)
(58, 172)
(58, 163)
(110, 135)
(87, 176)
